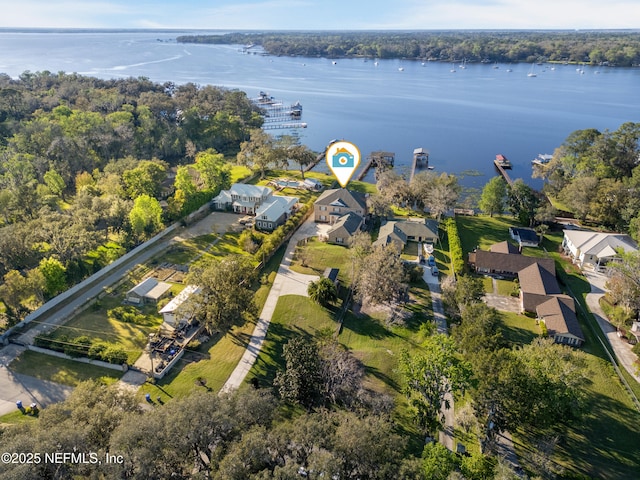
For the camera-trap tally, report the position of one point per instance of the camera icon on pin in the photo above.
(342, 159)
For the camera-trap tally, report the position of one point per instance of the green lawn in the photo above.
(294, 315)
(505, 287)
(239, 172)
(60, 370)
(320, 255)
(374, 344)
(16, 417)
(518, 329)
(483, 231)
(94, 323)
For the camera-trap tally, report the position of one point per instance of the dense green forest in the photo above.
(614, 48)
(596, 176)
(85, 164)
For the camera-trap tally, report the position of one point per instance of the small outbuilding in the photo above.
(178, 310)
(148, 291)
(525, 237)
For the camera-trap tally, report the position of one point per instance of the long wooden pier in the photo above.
(378, 160)
(503, 172)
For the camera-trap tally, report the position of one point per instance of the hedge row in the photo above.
(83, 346)
(273, 241)
(455, 246)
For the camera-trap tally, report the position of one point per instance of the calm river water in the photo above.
(464, 118)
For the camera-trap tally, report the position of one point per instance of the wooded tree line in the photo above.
(597, 176)
(596, 47)
(84, 164)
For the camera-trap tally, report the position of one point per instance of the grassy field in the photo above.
(16, 418)
(376, 345)
(60, 370)
(483, 231)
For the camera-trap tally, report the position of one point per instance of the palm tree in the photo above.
(322, 291)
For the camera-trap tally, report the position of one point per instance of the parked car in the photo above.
(434, 271)
(431, 261)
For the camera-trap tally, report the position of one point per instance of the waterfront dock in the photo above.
(420, 159)
(379, 160)
(502, 171)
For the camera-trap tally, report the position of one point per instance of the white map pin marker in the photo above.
(343, 158)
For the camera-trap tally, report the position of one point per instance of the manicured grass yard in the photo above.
(505, 287)
(320, 255)
(518, 329)
(294, 315)
(60, 370)
(483, 231)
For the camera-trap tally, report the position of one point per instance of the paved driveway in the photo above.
(15, 386)
(622, 349)
(286, 282)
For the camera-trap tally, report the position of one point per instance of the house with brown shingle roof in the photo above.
(559, 316)
(504, 247)
(537, 283)
(504, 259)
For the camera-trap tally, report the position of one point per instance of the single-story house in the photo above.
(595, 249)
(334, 203)
(503, 259)
(559, 316)
(242, 198)
(177, 311)
(537, 284)
(274, 211)
(345, 228)
(526, 237)
(411, 230)
(149, 290)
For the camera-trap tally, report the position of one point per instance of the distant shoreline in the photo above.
(612, 48)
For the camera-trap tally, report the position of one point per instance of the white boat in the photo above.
(401, 69)
(542, 159)
(531, 72)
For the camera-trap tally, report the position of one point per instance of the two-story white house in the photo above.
(242, 198)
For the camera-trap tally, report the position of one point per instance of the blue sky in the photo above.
(321, 14)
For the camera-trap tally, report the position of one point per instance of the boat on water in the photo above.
(502, 161)
(531, 72)
(542, 159)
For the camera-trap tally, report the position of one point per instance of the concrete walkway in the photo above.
(433, 282)
(287, 282)
(622, 349)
